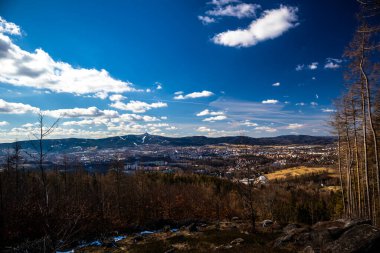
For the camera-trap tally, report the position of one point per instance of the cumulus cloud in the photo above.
(295, 126)
(208, 112)
(205, 93)
(40, 71)
(9, 27)
(270, 101)
(215, 118)
(116, 97)
(276, 84)
(332, 63)
(272, 24)
(16, 108)
(80, 113)
(137, 106)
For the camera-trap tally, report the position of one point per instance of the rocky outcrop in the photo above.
(341, 236)
(359, 238)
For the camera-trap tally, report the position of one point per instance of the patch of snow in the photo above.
(119, 238)
(146, 232)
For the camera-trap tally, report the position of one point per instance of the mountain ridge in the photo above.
(147, 139)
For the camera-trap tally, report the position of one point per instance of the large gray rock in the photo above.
(360, 238)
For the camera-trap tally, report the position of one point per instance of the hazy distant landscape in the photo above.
(189, 126)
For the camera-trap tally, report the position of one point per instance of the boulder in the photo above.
(237, 241)
(360, 238)
(308, 249)
(267, 223)
(290, 227)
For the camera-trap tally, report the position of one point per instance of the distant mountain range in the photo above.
(58, 145)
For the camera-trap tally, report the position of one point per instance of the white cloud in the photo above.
(270, 101)
(206, 20)
(332, 63)
(201, 94)
(208, 112)
(266, 129)
(242, 10)
(276, 84)
(313, 104)
(159, 86)
(178, 92)
(301, 104)
(9, 27)
(16, 108)
(215, 118)
(313, 65)
(223, 2)
(204, 129)
(80, 113)
(249, 124)
(272, 24)
(328, 110)
(4, 123)
(137, 106)
(300, 67)
(40, 71)
(295, 126)
(116, 97)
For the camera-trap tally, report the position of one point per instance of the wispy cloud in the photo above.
(276, 84)
(206, 20)
(295, 126)
(241, 10)
(266, 129)
(332, 63)
(270, 101)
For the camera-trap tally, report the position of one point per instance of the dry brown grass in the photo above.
(299, 172)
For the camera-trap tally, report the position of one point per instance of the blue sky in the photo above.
(175, 68)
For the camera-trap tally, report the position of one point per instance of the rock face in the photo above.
(341, 236)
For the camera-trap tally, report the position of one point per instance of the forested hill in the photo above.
(147, 139)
